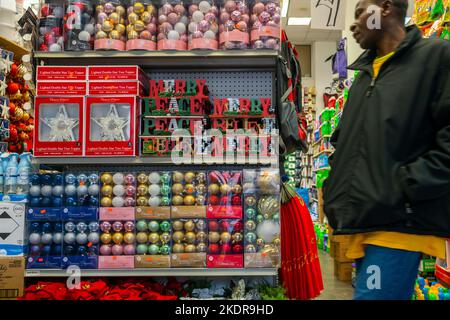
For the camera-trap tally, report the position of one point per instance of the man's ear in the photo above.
(386, 8)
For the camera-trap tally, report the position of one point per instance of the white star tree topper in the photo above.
(61, 126)
(112, 125)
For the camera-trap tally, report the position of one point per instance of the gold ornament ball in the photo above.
(106, 178)
(225, 189)
(237, 237)
(177, 177)
(201, 177)
(151, 9)
(142, 190)
(237, 189)
(107, 190)
(99, 8)
(178, 248)
(114, 18)
(139, 25)
(190, 237)
(120, 28)
(200, 200)
(178, 236)
(177, 225)
(117, 238)
(120, 11)
(189, 177)
(214, 188)
(129, 238)
(177, 200)
(260, 242)
(153, 237)
(18, 114)
(190, 248)
(138, 8)
(201, 236)
(101, 35)
(130, 28)
(132, 18)
(25, 116)
(201, 225)
(141, 237)
(165, 237)
(276, 241)
(250, 201)
(189, 200)
(177, 188)
(201, 188)
(115, 35)
(201, 247)
(225, 237)
(107, 26)
(214, 237)
(146, 17)
(105, 238)
(141, 201)
(250, 225)
(142, 178)
(189, 188)
(106, 202)
(189, 225)
(132, 35)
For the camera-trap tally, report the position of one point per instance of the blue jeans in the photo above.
(386, 274)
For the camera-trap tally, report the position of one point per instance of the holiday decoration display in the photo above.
(79, 25)
(153, 248)
(189, 243)
(59, 130)
(153, 197)
(117, 244)
(59, 73)
(203, 25)
(175, 110)
(81, 240)
(225, 195)
(110, 128)
(81, 194)
(226, 244)
(189, 190)
(44, 239)
(172, 25)
(110, 30)
(142, 25)
(46, 194)
(262, 218)
(234, 24)
(265, 24)
(51, 27)
(117, 195)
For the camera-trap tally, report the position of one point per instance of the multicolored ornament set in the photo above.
(159, 219)
(159, 25)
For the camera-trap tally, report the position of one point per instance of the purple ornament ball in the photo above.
(264, 17)
(236, 16)
(203, 26)
(271, 43)
(130, 202)
(242, 7)
(242, 45)
(35, 250)
(117, 250)
(210, 17)
(173, 18)
(117, 226)
(193, 8)
(258, 44)
(129, 226)
(129, 250)
(108, 7)
(229, 45)
(276, 18)
(258, 8)
(162, 18)
(105, 250)
(271, 8)
(105, 226)
(130, 179)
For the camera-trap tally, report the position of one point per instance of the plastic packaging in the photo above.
(142, 25)
(45, 239)
(265, 20)
(117, 238)
(50, 27)
(81, 239)
(81, 191)
(118, 190)
(153, 240)
(23, 173)
(225, 195)
(234, 24)
(153, 194)
(189, 243)
(46, 191)
(79, 25)
(11, 174)
(203, 25)
(110, 30)
(188, 194)
(172, 25)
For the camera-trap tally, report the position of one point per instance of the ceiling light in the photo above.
(407, 20)
(299, 21)
(285, 8)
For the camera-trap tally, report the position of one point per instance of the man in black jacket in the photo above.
(389, 187)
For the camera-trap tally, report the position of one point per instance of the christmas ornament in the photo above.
(112, 126)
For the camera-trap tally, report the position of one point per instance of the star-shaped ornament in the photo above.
(61, 126)
(112, 125)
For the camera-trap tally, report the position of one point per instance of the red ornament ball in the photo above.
(43, 47)
(13, 88)
(214, 200)
(236, 200)
(224, 225)
(12, 108)
(224, 200)
(56, 31)
(45, 11)
(238, 226)
(226, 248)
(49, 39)
(213, 248)
(13, 134)
(213, 226)
(237, 248)
(14, 70)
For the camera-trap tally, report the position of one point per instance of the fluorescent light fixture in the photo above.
(407, 20)
(285, 8)
(299, 21)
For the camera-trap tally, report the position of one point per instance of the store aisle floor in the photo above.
(334, 289)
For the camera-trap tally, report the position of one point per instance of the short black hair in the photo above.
(400, 5)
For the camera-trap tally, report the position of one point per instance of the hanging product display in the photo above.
(79, 25)
(142, 25)
(234, 24)
(203, 25)
(265, 24)
(110, 25)
(172, 25)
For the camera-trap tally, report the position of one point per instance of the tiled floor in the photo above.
(334, 289)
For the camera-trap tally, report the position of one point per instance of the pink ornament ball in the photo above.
(117, 250)
(117, 226)
(242, 7)
(258, 44)
(151, 27)
(258, 8)
(276, 18)
(166, 9)
(131, 190)
(129, 250)
(236, 16)
(145, 35)
(162, 18)
(109, 7)
(230, 5)
(105, 250)
(210, 17)
(130, 202)
(161, 36)
(101, 17)
(271, 43)
(192, 9)
(224, 17)
(128, 226)
(214, 10)
(154, 20)
(246, 18)
(184, 38)
(173, 18)
(271, 8)
(130, 179)
(203, 26)
(229, 25)
(105, 226)
(197, 35)
(165, 27)
(179, 9)
(264, 17)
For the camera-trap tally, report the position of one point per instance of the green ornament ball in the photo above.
(165, 201)
(250, 213)
(141, 249)
(165, 249)
(259, 218)
(165, 190)
(165, 178)
(165, 226)
(153, 226)
(276, 217)
(153, 249)
(250, 237)
(141, 226)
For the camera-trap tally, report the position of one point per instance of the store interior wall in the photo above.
(321, 70)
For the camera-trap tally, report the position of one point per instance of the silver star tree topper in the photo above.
(112, 125)
(61, 126)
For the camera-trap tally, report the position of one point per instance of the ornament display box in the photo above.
(12, 280)
(80, 246)
(117, 73)
(61, 73)
(12, 225)
(153, 195)
(109, 88)
(60, 126)
(61, 88)
(188, 195)
(111, 126)
(226, 242)
(224, 195)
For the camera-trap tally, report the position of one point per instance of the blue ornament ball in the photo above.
(71, 179)
(69, 250)
(57, 202)
(45, 250)
(58, 227)
(71, 201)
(93, 226)
(35, 250)
(46, 179)
(35, 227)
(93, 250)
(46, 227)
(81, 227)
(81, 250)
(35, 180)
(35, 191)
(46, 201)
(58, 179)
(56, 250)
(35, 201)
(82, 178)
(93, 178)
(93, 201)
(70, 226)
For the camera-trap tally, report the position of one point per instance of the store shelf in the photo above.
(165, 272)
(328, 136)
(239, 59)
(322, 152)
(9, 45)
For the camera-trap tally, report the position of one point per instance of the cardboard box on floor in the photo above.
(343, 270)
(12, 271)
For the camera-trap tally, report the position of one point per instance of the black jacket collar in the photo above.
(365, 60)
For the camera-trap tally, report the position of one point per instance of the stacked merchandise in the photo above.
(433, 18)
(77, 25)
(426, 289)
(343, 266)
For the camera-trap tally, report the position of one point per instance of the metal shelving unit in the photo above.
(165, 272)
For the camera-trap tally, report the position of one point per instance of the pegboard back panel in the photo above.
(227, 84)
